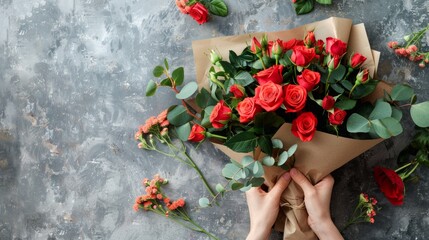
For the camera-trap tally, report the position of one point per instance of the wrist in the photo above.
(258, 234)
(326, 230)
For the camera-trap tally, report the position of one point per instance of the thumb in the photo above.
(281, 185)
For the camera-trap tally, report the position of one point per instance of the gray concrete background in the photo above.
(72, 81)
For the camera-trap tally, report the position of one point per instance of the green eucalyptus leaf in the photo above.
(338, 73)
(236, 186)
(243, 142)
(166, 64)
(386, 128)
(258, 169)
(347, 85)
(166, 82)
(381, 110)
(277, 143)
(268, 161)
(357, 123)
(396, 113)
(283, 157)
(184, 131)
(246, 188)
(291, 151)
(346, 104)
(204, 202)
(244, 79)
(247, 160)
(230, 170)
(257, 182)
(158, 71)
(419, 114)
(151, 88)
(337, 88)
(187, 91)
(218, 7)
(178, 75)
(401, 92)
(220, 188)
(178, 116)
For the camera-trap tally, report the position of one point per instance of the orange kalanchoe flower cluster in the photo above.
(365, 210)
(153, 124)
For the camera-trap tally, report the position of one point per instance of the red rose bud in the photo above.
(392, 44)
(269, 96)
(391, 184)
(335, 47)
(237, 91)
(197, 133)
(309, 39)
(247, 109)
(273, 74)
(328, 102)
(308, 79)
(214, 57)
(199, 13)
(256, 47)
(302, 56)
(337, 118)
(277, 48)
(356, 60)
(295, 97)
(334, 62)
(319, 46)
(220, 115)
(304, 126)
(362, 77)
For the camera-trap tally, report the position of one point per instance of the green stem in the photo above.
(262, 61)
(351, 91)
(327, 81)
(405, 166)
(418, 36)
(197, 169)
(411, 171)
(210, 135)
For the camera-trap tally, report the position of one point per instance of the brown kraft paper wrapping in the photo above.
(315, 159)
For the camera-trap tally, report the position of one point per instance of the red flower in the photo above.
(220, 115)
(334, 62)
(247, 109)
(199, 13)
(269, 96)
(275, 48)
(181, 4)
(256, 47)
(302, 56)
(356, 60)
(391, 184)
(337, 118)
(197, 133)
(291, 44)
(304, 126)
(308, 79)
(310, 39)
(237, 91)
(273, 74)
(319, 46)
(362, 77)
(335, 47)
(295, 97)
(328, 102)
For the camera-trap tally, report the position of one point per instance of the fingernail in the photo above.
(293, 171)
(286, 175)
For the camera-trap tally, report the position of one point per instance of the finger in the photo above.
(302, 181)
(325, 186)
(281, 185)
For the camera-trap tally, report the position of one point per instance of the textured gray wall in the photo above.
(72, 81)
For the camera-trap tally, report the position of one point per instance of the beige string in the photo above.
(293, 206)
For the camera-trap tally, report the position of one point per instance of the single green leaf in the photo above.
(178, 116)
(277, 143)
(228, 68)
(386, 128)
(218, 7)
(220, 188)
(244, 79)
(258, 170)
(346, 104)
(268, 161)
(151, 88)
(204, 202)
(246, 188)
(243, 142)
(401, 92)
(265, 144)
(230, 170)
(158, 71)
(166, 64)
(303, 7)
(338, 73)
(236, 186)
(337, 88)
(257, 182)
(291, 151)
(178, 75)
(347, 85)
(326, 2)
(396, 113)
(419, 114)
(183, 131)
(187, 91)
(247, 160)
(284, 156)
(381, 110)
(356, 123)
(166, 82)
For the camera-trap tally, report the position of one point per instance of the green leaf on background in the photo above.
(220, 188)
(244, 78)
(228, 68)
(284, 156)
(338, 73)
(258, 170)
(203, 99)
(246, 161)
(178, 116)
(204, 202)
(265, 144)
(356, 123)
(236, 186)
(346, 104)
(381, 110)
(257, 182)
(401, 92)
(396, 113)
(268, 161)
(178, 75)
(158, 71)
(151, 88)
(303, 7)
(291, 151)
(268, 121)
(347, 85)
(337, 88)
(243, 142)
(246, 188)
(166, 82)
(166, 64)
(364, 90)
(230, 170)
(187, 91)
(218, 7)
(419, 114)
(327, 2)
(277, 143)
(183, 131)
(386, 128)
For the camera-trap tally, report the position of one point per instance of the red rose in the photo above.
(199, 13)
(362, 77)
(295, 97)
(304, 126)
(220, 115)
(309, 39)
(237, 91)
(334, 62)
(328, 102)
(269, 96)
(302, 56)
(256, 47)
(356, 60)
(391, 184)
(275, 47)
(337, 118)
(335, 46)
(319, 46)
(273, 74)
(308, 79)
(291, 44)
(247, 109)
(197, 133)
